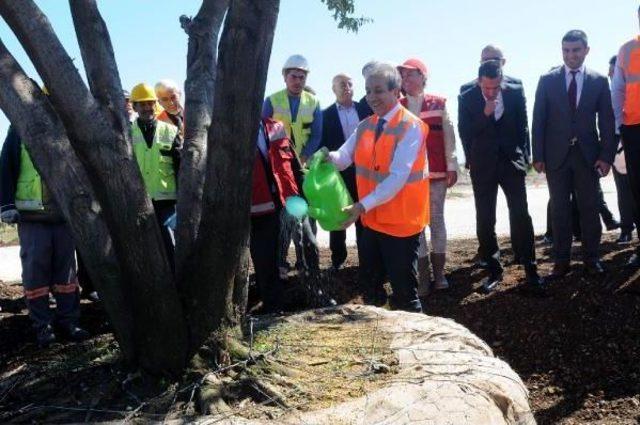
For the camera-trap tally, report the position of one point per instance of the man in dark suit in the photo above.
(492, 122)
(339, 121)
(493, 53)
(567, 146)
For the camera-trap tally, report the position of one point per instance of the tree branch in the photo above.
(245, 48)
(44, 136)
(203, 33)
(99, 60)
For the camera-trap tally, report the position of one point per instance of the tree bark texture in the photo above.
(243, 61)
(203, 31)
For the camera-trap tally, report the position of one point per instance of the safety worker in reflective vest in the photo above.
(299, 111)
(443, 168)
(392, 178)
(156, 145)
(625, 97)
(277, 174)
(46, 245)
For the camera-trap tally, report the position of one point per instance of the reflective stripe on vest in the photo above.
(300, 130)
(29, 188)
(407, 213)
(156, 163)
(629, 61)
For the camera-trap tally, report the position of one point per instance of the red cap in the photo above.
(414, 63)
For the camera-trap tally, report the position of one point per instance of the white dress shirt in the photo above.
(499, 105)
(399, 169)
(618, 93)
(348, 119)
(579, 80)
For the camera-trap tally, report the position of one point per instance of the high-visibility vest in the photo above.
(407, 213)
(629, 61)
(431, 113)
(273, 176)
(29, 189)
(300, 129)
(156, 162)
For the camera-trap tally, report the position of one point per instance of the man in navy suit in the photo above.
(339, 121)
(574, 144)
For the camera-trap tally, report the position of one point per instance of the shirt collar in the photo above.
(387, 117)
(567, 71)
(498, 98)
(345, 108)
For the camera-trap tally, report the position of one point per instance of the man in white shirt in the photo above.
(388, 150)
(339, 121)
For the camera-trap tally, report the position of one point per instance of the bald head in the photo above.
(492, 52)
(342, 86)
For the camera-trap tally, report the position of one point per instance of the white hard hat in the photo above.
(296, 62)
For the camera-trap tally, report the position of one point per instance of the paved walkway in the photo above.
(459, 213)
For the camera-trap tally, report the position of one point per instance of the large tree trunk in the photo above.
(243, 62)
(79, 141)
(203, 33)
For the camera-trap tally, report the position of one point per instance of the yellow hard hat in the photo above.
(143, 93)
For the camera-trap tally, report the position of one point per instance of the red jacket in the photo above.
(277, 175)
(431, 114)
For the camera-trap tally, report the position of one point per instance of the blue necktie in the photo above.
(379, 128)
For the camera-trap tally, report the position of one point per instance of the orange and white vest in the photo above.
(273, 176)
(629, 61)
(407, 213)
(431, 113)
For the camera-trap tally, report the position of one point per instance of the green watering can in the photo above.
(326, 193)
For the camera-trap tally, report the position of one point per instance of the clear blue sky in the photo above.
(446, 35)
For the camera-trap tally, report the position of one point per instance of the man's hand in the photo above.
(490, 107)
(303, 159)
(11, 216)
(452, 178)
(539, 167)
(602, 168)
(354, 211)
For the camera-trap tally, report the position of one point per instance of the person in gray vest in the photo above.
(46, 245)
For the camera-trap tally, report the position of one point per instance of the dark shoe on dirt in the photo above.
(491, 283)
(75, 333)
(45, 336)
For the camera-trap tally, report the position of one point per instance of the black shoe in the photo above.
(594, 268)
(560, 270)
(634, 261)
(45, 336)
(91, 296)
(491, 283)
(547, 240)
(535, 283)
(612, 224)
(624, 238)
(75, 333)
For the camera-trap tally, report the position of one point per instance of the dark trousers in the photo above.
(575, 173)
(164, 210)
(263, 246)
(394, 257)
(48, 264)
(625, 202)
(485, 183)
(575, 218)
(631, 144)
(338, 244)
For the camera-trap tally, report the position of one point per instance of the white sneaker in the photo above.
(443, 284)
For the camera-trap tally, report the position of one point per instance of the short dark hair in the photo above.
(490, 69)
(576, 35)
(613, 60)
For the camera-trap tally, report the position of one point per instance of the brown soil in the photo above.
(576, 350)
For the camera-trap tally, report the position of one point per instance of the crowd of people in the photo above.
(396, 150)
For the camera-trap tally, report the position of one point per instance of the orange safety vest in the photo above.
(164, 116)
(407, 213)
(431, 113)
(629, 61)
